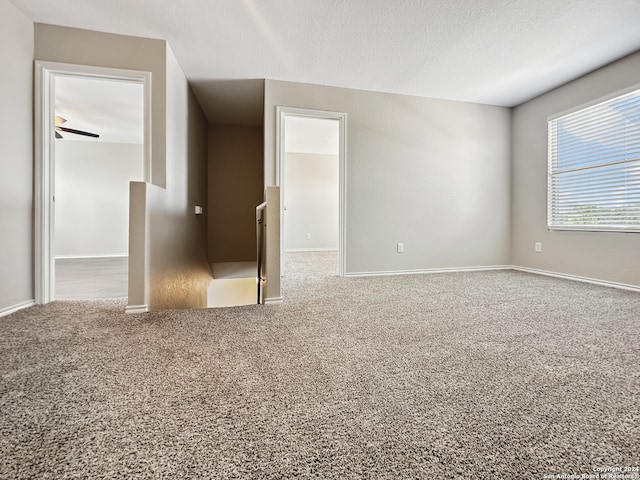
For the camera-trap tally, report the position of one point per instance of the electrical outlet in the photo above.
(308, 236)
(538, 247)
(400, 247)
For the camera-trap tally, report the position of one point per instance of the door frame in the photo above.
(44, 165)
(281, 114)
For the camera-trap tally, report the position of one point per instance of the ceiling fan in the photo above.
(59, 121)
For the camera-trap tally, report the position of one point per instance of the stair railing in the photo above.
(261, 224)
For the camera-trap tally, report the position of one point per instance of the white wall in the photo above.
(433, 174)
(311, 194)
(613, 257)
(16, 158)
(92, 196)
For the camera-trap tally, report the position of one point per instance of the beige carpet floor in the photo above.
(487, 375)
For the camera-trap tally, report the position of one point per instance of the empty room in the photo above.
(353, 240)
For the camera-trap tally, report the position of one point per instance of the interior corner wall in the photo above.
(311, 206)
(86, 47)
(432, 174)
(16, 159)
(179, 273)
(235, 183)
(606, 256)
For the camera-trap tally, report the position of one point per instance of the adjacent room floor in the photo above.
(483, 375)
(91, 278)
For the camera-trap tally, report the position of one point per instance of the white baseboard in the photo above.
(578, 278)
(428, 270)
(295, 250)
(273, 301)
(90, 255)
(137, 309)
(14, 308)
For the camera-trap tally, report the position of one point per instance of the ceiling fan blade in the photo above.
(78, 132)
(58, 135)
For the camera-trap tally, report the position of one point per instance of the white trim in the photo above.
(44, 188)
(273, 301)
(591, 228)
(136, 309)
(43, 262)
(428, 270)
(91, 255)
(580, 183)
(281, 113)
(578, 278)
(14, 308)
(593, 103)
(297, 250)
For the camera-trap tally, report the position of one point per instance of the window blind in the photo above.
(594, 167)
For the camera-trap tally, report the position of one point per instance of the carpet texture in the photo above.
(484, 375)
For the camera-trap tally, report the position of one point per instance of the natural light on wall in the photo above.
(594, 167)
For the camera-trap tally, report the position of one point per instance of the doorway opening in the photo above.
(92, 131)
(311, 162)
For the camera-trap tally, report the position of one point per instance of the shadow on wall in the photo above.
(232, 102)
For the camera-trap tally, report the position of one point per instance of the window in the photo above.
(594, 167)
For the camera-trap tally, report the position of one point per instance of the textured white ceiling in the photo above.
(500, 52)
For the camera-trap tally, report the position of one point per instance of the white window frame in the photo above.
(582, 177)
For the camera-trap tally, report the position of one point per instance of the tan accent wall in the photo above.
(235, 183)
